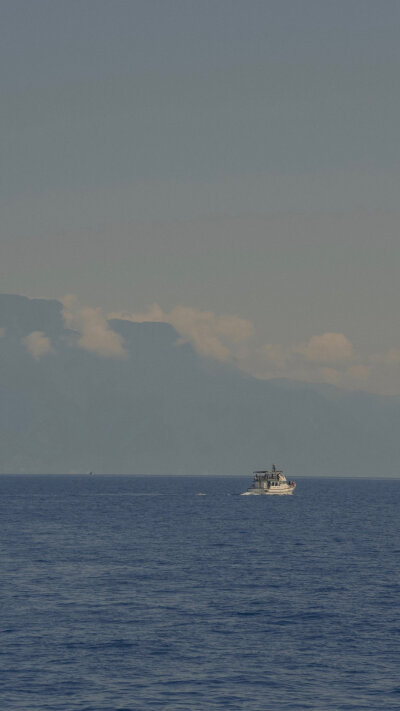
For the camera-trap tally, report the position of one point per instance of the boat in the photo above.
(270, 481)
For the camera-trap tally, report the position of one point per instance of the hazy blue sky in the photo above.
(234, 158)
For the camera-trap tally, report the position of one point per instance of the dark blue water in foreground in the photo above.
(135, 593)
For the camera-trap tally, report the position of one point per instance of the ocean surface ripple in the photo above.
(129, 593)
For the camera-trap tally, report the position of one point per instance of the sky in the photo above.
(228, 167)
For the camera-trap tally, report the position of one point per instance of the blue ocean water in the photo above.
(127, 593)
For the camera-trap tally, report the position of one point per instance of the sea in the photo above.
(128, 593)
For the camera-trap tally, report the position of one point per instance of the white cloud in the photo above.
(276, 356)
(327, 348)
(358, 372)
(391, 357)
(219, 337)
(327, 358)
(330, 375)
(95, 335)
(37, 344)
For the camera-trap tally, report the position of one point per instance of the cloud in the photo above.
(327, 358)
(358, 372)
(95, 335)
(219, 337)
(38, 344)
(330, 375)
(391, 357)
(327, 348)
(275, 355)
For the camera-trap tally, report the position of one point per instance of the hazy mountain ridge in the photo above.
(164, 409)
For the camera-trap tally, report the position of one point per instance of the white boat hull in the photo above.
(259, 492)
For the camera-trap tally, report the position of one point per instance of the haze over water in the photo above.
(125, 593)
